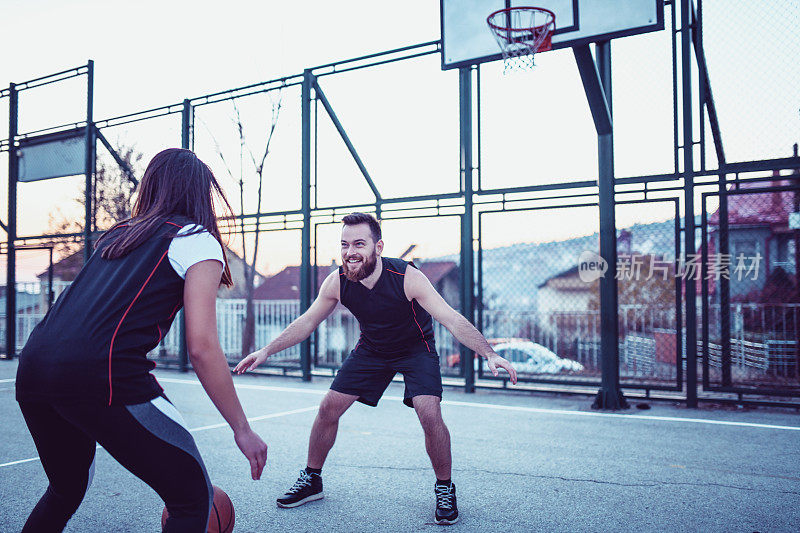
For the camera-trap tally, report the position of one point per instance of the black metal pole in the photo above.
(89, 162)
(305, 244)
(467, 275)
(183, 352)
(724, 286)
(688, 193)
(597, 85)
(186, 124)
(707, 103)
(479, 289)
(610, 395)
(320, 94)
(796, 175)
(11, 266)
(121, 162)
(50, 294)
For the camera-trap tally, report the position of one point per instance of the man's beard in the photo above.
(364, 270)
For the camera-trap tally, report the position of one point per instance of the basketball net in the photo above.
(521, 32)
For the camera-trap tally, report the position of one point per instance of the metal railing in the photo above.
(764, 345)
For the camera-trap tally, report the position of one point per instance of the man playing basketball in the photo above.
(394, 305)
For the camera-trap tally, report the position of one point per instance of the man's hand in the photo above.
(494, 361)
(253, 448)
(251, 361)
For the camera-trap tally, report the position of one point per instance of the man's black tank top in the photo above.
(390, 324)
(92, 345)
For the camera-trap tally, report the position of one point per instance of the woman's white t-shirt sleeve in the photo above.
(191, 249)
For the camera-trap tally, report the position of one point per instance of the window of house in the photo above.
(745, 247)
(785, 253)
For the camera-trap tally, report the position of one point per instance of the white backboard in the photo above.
(467, 40)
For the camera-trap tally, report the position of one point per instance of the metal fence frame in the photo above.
(472, 199)
(725, 305)
(647, 387)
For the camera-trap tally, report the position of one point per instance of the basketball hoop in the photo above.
(521, 32)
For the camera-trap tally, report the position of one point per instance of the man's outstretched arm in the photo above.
(300, 328)
(417, 287)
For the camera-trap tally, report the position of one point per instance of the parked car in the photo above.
(527, 357)
(532, 358)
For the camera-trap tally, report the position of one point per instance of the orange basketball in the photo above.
(222, 516)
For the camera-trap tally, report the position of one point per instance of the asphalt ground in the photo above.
(521, 462)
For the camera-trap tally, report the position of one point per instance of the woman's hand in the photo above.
(253, 448)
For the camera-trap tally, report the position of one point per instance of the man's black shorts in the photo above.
(367, 375)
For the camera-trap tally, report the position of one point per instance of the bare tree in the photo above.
(112, 196)
(258, 167)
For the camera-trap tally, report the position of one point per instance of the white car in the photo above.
(532, 358)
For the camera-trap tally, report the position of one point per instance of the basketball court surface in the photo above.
(521, 463)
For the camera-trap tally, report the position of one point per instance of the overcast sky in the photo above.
(402, 118)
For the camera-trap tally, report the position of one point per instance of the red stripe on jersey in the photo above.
(111, 348)
(420, 327)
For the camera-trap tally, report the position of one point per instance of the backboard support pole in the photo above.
(597, 85)
(467, 274)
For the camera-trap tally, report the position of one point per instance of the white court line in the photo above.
(518, 408)
(619, 415)
(20, 461)
(201, 428)
(256, 418)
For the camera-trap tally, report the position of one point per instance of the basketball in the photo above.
(222, 516)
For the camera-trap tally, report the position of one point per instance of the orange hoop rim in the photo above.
(521, 8)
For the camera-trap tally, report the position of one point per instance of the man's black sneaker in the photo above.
(307, 488)
(446, 509)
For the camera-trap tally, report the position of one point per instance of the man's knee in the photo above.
(333, 406)
(429, 412)
(432, 423)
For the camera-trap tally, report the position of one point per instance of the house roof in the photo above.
(765, 208)
(436, 270)
(571, 272)
(569, 279)
(285, 285)
(67, 269)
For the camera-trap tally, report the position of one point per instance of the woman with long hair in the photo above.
(84, 377)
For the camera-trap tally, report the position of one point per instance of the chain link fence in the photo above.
(751, 49)
(649, 294)
(535, 308)
(752, 296)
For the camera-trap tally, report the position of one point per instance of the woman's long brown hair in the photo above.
(176, 183)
